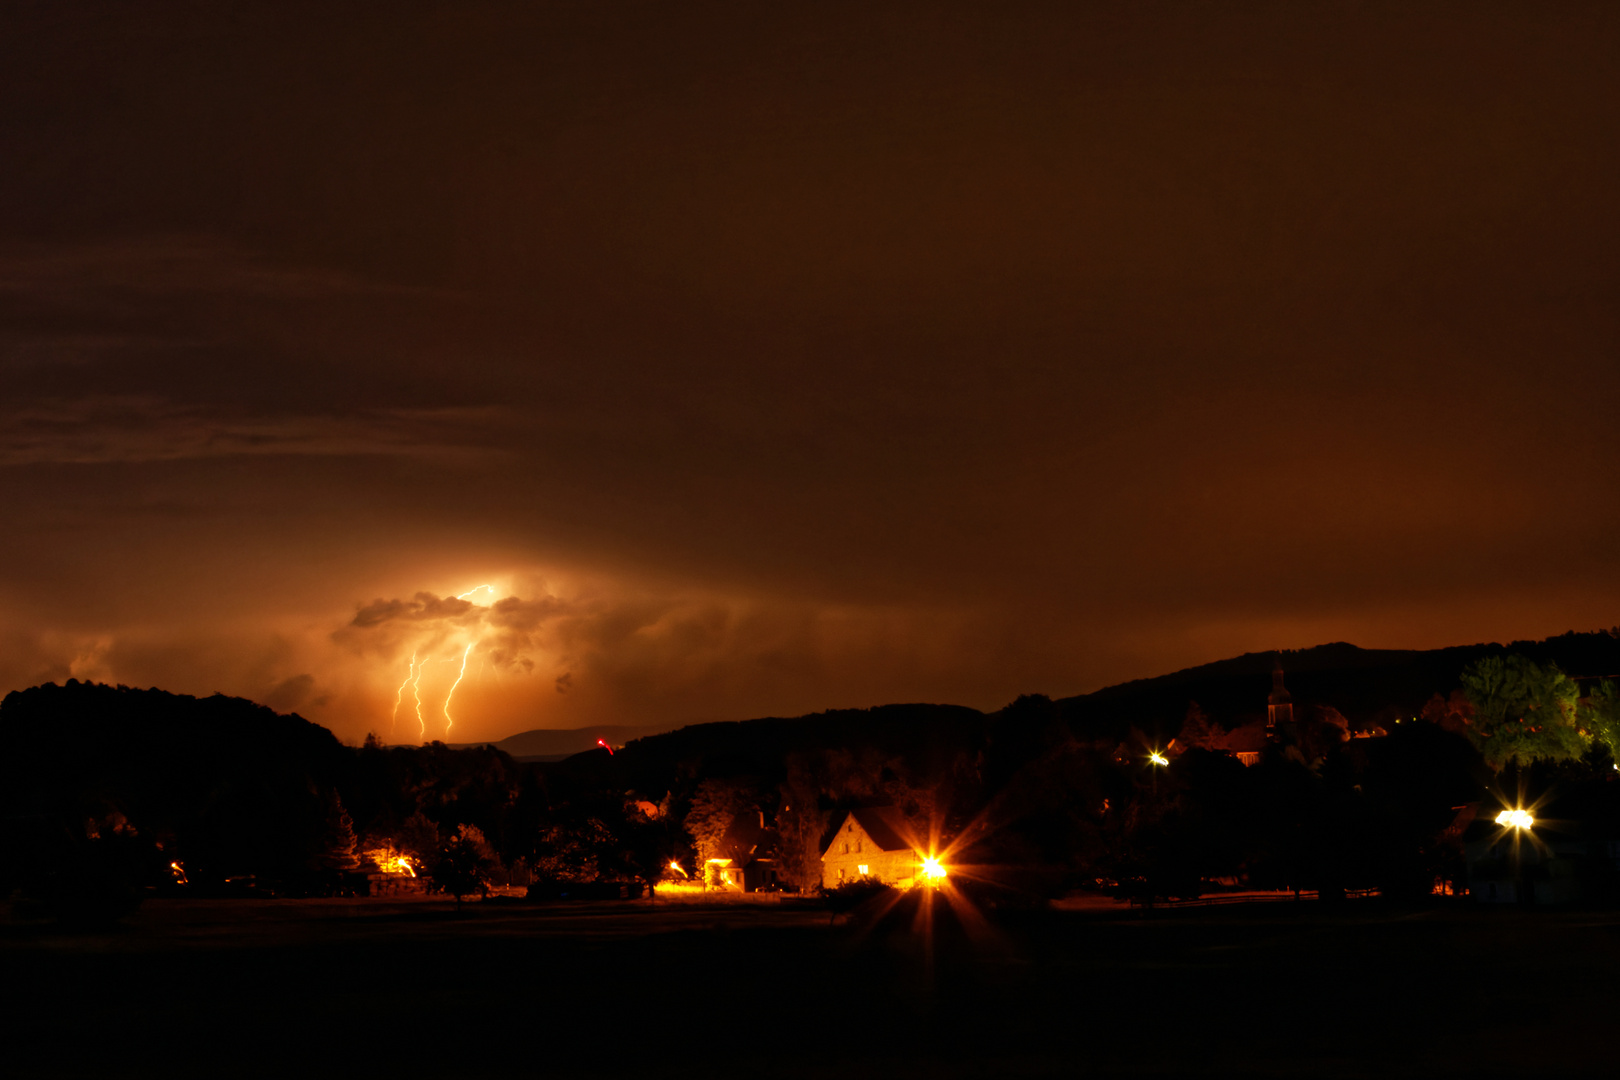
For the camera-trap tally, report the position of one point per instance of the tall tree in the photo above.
(463, 865)
(338, 844)
(648, 839)
(1600, 716)
(1523, 711)
(801, 819)
(715, 804)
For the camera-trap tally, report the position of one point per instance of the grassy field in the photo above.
(409, 987)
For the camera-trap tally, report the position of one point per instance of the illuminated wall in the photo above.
(855, 854)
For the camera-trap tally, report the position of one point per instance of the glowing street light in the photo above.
(1516, 819)
(933, 872)
(1157, 758)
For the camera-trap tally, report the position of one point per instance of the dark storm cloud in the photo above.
(89, 430)
(423, 607)
(931, 350)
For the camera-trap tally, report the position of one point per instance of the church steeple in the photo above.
(1280, 705)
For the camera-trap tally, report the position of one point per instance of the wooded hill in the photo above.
(1368, 686)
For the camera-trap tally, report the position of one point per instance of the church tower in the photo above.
(1280, 705)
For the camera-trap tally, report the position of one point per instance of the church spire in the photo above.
(1280, 705)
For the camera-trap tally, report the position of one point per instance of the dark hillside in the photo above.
(219, 782)
(1366, 685)
(922, 734)
(553, 744)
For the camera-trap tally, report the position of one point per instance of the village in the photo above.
(1488, 849)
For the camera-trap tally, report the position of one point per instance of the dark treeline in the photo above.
(112, 791)
(1367, 686)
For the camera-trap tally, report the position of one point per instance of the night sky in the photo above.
(771, 358)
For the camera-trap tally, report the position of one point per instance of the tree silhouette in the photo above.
(648, 842)
(1523, 711)
(1600, 716)
(463, 865)
(338, 844)
(715, 804)
(419, 837)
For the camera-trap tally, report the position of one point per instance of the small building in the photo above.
(1536, 867)
(1248, 742)
(870, 843)
(749, 859)
(753, 875)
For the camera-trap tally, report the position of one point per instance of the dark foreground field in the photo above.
(378, 988)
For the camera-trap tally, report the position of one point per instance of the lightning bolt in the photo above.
(448, 723)
(413, 678)
(400, 696)
(416, 692)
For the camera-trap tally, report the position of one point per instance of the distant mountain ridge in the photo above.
(550, 744)
(1366, 685)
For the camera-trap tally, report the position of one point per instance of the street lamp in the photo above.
(1520, 821)
(1515, 819)
(1157, 758)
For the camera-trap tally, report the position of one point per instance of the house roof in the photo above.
(1248, 739)
(884, 826)
(749, 838)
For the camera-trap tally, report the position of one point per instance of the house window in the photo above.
(846, 847)
(840, 873)
(864, 869)
(857, 845)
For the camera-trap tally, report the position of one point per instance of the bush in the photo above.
(846, 896)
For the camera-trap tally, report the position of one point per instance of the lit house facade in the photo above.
(870, 843)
